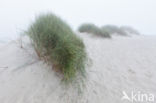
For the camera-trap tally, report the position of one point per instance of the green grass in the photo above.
(129, 29)
(93, 29)
(113, 29)
(56, 44)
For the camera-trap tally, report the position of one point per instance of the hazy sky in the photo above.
(16, 15)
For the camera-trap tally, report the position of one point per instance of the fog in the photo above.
(16, 15)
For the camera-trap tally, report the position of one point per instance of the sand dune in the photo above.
(118, 64)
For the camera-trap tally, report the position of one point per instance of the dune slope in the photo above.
(118, 64)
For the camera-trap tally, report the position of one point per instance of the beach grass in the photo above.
(130, 30)
(56, 44)
(111, 29)
(93, 29)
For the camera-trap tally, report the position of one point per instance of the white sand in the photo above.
(121, 64)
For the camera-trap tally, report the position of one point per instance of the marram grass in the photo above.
(130, 30)
(93, 29)
(111, 29)
(55, 42)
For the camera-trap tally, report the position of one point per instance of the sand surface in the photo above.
(119, 64)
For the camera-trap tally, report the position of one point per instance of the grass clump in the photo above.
(129, 30)
(55, 42)
(93, 29)
(111, 29)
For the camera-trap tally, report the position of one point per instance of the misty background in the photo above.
(16, 15)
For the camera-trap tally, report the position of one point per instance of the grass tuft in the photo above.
(111, 29)
(55, 43)
(130, 30)
(93, 29)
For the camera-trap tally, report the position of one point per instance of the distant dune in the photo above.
(118, 64)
